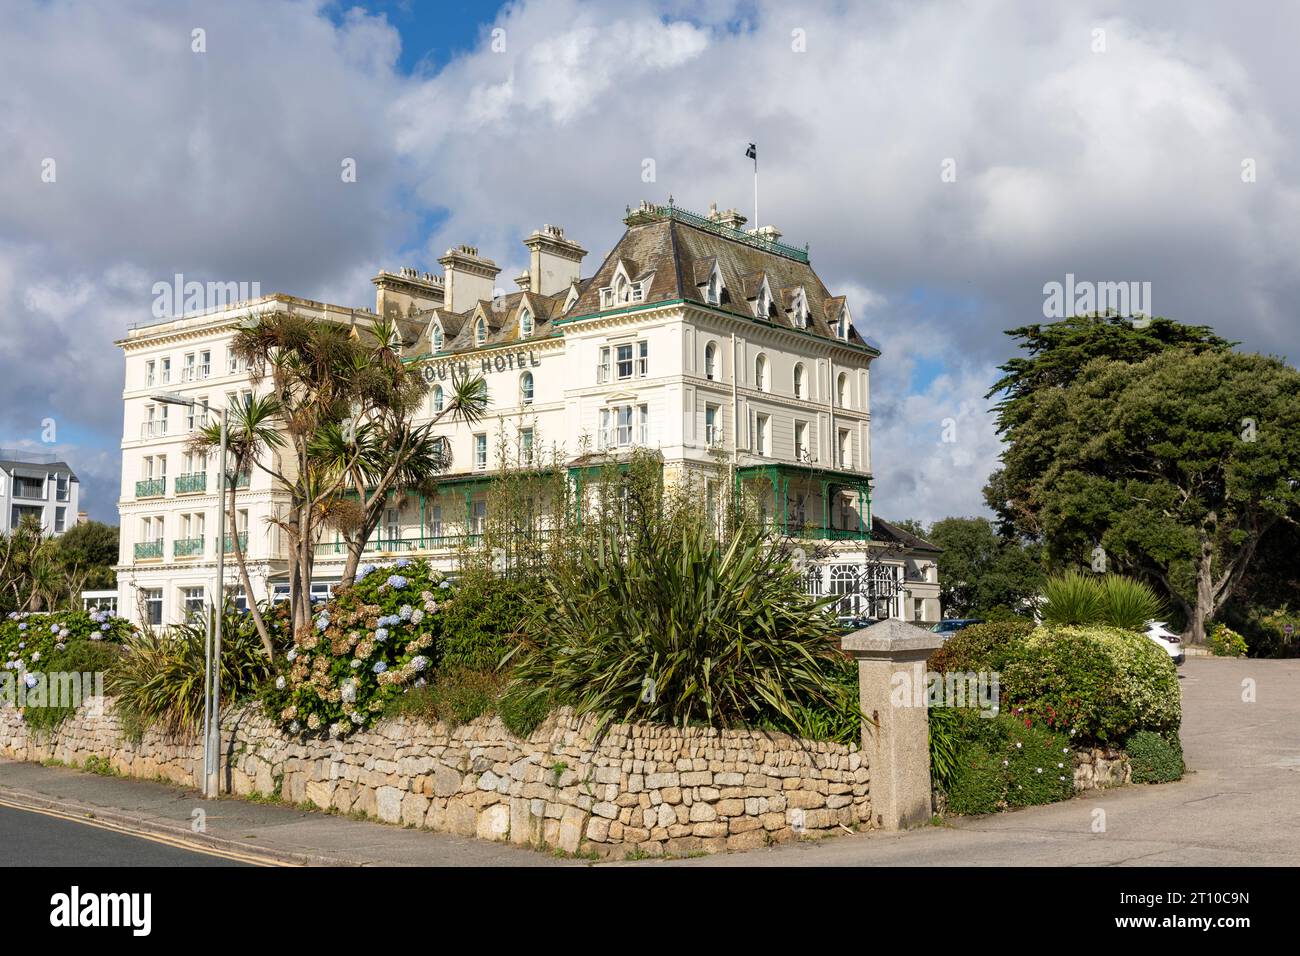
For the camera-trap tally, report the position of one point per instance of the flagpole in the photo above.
(756, 223)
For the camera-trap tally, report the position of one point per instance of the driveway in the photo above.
(1238, 805)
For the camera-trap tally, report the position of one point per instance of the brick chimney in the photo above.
(398, 294)
(467, 278)
(553, 261)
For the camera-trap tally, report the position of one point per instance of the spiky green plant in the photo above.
(1071, 599)
(158, 679)
(678, 628)
(1127, 603)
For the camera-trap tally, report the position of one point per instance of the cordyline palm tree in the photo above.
(385, 452)
(251, 429)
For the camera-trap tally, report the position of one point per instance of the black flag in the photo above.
(752, 152)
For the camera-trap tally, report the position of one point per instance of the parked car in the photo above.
(854, 622)
(1167, 639)
(953, 625)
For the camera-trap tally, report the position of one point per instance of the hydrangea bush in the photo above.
(370, 643)
(28, 639)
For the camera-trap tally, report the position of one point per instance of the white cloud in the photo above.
(1122, 165)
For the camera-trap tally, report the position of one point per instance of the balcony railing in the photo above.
(187, 547)
(154, 429)
(243, 542)
(241, 480)
(151, 488)
(148, 549)
(191, 483)
(831, 534)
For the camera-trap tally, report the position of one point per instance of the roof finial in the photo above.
(670, 200)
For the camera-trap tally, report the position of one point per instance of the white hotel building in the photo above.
(692, 337)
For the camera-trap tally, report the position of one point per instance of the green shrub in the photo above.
(486, 620)
(1039, 765)
(1071, 598)
(522, 713)
(364, 648)
(945, 746)
(1127, 603)
(1225, 642)
(79, 657)
(158, 679)
(981, 647)
(1099, 683)
(675, 628)
(28, 638)
(1154, 758)
(978, 784)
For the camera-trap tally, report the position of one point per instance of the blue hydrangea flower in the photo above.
(54, 628)
(396, 581)
(419, 663)
(403, 562)
(405, 612)
(293, 654)
(445, 584)
(379, 667)
(355, 664)
(381, 634)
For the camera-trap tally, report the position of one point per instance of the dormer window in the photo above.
(480, 332)
(799, 312)
(842, 325)
(437, 337)
(525, 322)
(573, 297)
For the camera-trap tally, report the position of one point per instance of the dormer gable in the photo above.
(625, 286)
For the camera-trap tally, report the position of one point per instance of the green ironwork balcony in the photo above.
(148, 549)
(832, 534)
(243, 542)
(187, 547)
(192, 483)
(151, 488)
(241, 480)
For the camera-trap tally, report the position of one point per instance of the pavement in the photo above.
(1236, 806)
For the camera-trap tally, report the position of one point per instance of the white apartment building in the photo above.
(692, 337)
(39, 486)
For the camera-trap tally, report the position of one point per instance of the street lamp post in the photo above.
(212, 647)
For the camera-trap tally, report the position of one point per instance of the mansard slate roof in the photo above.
(676, 257)
(681, 257)
(501, 317)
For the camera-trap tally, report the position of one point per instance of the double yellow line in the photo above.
(162, 839)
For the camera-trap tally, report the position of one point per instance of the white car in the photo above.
(1171, 642)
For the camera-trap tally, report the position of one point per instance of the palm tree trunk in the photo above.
(260, 624)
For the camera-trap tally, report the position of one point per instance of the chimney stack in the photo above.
(553, 261)
(467, 278)
(398, 294)
(731, 218)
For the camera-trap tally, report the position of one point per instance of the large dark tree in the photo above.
(1176, 466)
(87, 552)
(982, 572)
(1057, 354)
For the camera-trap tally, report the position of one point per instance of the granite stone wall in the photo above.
(636, 788)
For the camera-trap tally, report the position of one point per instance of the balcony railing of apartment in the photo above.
(241, 480)
(151, 488)
(154, 429)
(187, 547)
(428, 542)
(191, 483)
(243, 542)
(148, 549)
(193, 373)
(28, 488)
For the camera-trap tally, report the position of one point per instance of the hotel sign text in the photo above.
(502, 361)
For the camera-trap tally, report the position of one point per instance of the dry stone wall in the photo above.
(639, 787)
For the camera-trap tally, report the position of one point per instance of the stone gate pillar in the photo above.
(895, 721)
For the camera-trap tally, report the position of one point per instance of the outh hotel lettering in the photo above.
(502, 361)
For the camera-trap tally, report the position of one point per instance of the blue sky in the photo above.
(1114, 161)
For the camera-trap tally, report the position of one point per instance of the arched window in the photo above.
(526, 388)
(799, 381)
(711, 361)
(842, 390)
(437, 337)
(714, 290)
(525, 322)
(760, 373)
(622, 289)
(480, 332)
(437, 398)
(764, 303)
(842, 324)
